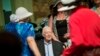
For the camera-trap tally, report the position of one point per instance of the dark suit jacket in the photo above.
(57, 47)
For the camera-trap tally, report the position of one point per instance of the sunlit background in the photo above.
(39, 8)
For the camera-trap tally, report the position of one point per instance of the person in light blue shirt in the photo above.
(26, 32)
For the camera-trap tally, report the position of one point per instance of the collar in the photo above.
(50, 42)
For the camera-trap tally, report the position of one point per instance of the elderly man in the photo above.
(47, 46)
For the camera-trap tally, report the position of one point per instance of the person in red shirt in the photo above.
(84, 26)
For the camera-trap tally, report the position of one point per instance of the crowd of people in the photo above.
(71, 29)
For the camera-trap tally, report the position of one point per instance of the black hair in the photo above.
(55, 9)
(51, 6)
(55, 12)
(76, 3)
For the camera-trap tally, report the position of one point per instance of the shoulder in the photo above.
(10, 25)
(25, 23)
(57, 42)
(82, 13)
(29, 24)
(57, 45)
(39, 41)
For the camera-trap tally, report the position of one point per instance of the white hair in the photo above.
(13, 18)
(45, 28)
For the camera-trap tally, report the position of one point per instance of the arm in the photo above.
(54, 37)
(31, 41)
(50, 24)
(33, 46)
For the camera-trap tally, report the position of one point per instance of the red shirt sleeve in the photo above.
(76, 34)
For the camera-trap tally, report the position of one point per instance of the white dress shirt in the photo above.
(48, 48)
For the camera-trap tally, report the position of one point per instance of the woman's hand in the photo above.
(54, 37)
(67, 35)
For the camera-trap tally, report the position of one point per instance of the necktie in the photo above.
(48, 49)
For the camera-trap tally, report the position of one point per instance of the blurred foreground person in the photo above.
(84, 26)
(10, 44)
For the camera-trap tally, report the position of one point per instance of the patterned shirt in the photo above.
(24, 30)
